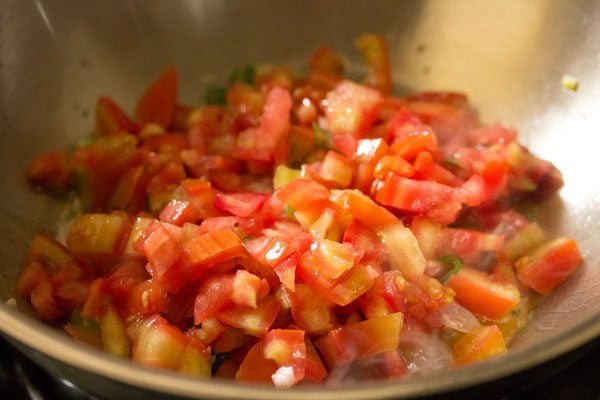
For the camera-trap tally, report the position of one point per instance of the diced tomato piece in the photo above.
(30, 278)
(549, 265)
(286, 270)
(336, 169)
(214, 295)
(231, 339)
(333, 258)
(43, 301)
(288, 349)
(104, 163)
(110, 118)
(370, 149)
(254, 321)
(477, 292)
(403, 249)
(315, 370)
(525, 240)
(342, 291)
(393, 163)
(360, 340)
(363, 208)
(212, 247)
(202, 196)
(70, 295)
(125, 277)
(161, 250)
(216, 224)
(478, 344)
(261, 143)
(438, 201)
(301, 193)
(159, 344)
(256, 367)
(51, 171)
(130, 192)
(374, 50)
(427, 168)
(311, 311)
(459, 242)
(97, 236)
(178, 212)
(246, 288)
(157, 104)
(240, 204)
(196, 359)
(372, 303)
(352, 108)
(366, 240)
(209, 331)
(114, 336)
(323, 59)
(49, 252)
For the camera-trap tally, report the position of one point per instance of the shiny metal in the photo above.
(57, 57)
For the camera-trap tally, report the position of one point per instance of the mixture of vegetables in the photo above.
(297, 229)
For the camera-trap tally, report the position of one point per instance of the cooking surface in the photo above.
(20, 379)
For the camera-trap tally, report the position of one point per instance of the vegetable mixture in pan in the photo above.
(297, 229)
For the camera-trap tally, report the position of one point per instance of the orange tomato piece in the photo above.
(478, 344)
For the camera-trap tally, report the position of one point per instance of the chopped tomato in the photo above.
(261, 143)
(352, 108)
(549, 265)
(240, 204)
(360, 340)
(157, 104)
(478, 292)
(254, 321)
(110, 118)
(375, 52)
(478, 344)
(51, 171)
(226, 239)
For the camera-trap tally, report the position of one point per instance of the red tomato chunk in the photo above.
(296, 229)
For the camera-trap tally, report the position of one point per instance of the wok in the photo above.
(57, 58)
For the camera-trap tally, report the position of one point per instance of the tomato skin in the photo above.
(157, 104)
(549, 265)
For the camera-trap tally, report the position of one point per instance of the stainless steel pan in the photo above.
(57, 57)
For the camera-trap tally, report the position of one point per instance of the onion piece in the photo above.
(455, 316)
